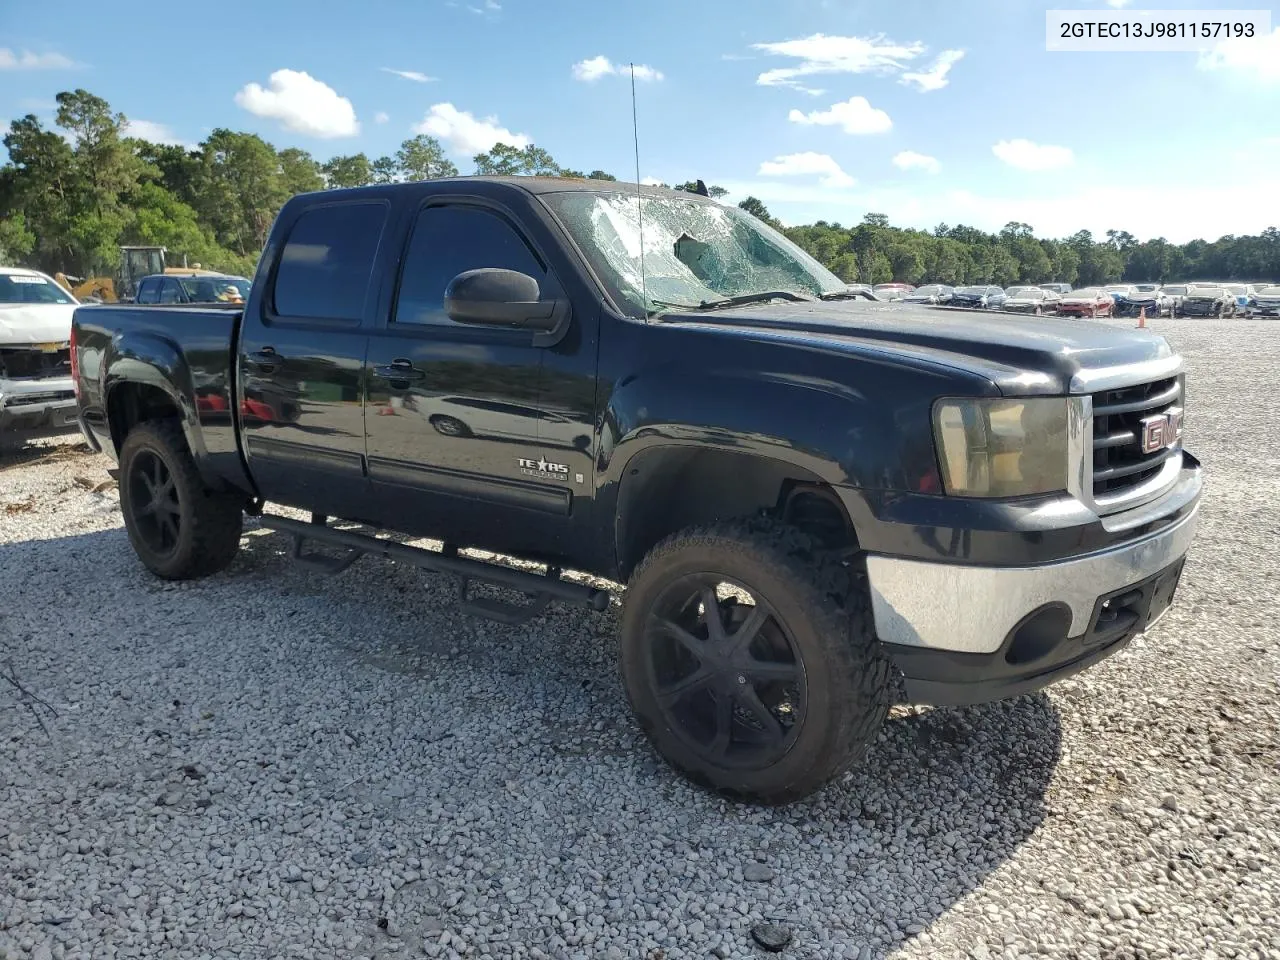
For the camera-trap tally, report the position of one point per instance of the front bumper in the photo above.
(33, 408)
(1005, 613)
(1264, 309)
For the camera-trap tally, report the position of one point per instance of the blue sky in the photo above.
(927, 110)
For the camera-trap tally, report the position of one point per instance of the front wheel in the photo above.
(179, 528)
(749, 657)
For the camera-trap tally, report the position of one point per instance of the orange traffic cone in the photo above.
(1142, 317)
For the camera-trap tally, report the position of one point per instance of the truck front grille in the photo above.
(1120, 467)
(28, 363)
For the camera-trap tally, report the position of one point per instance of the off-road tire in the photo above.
(210, 521)
(825, 607)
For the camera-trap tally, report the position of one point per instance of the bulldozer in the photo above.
(135, 263)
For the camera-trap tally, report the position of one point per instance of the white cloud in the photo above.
(855, 115)
(381, 116)
(155, 132)
(822, 54)
(910, 160)
(593, 68)
(651, 182)
(1118, 3)
(26, 60)
(462, 133)
(807, 164)
(415, 75)
(1256, 58)
(935, 78)
(1026, 155)
(302, 104)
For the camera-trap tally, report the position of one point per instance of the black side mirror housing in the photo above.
(504, 298)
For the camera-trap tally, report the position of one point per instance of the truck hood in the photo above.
(24, 323)
(1020, 356)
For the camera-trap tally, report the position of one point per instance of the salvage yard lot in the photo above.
(273, 764)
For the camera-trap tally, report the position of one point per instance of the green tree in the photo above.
(385, 170)
(422, 158)
(352, 171)
(299, 172)
(758, 210)
(601, 175)
(241, 190)
(691, 186)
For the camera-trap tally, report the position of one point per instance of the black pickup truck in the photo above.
(816, 502)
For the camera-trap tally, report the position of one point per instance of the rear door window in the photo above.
(149, 291)
(327, 261)
(169, 291)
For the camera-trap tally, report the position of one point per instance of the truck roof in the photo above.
(535, 185)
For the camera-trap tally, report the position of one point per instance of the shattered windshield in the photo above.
(694, 252)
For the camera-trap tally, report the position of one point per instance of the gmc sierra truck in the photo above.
(817, 502)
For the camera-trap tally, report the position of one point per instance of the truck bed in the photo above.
(194, 346)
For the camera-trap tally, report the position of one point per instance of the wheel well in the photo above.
(132, 403)
(666, 489)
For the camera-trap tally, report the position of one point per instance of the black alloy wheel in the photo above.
(728, 679)
(153, 498)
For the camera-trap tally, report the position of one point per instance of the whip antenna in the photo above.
(635, 130)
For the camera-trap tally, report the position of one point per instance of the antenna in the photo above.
(635, 130)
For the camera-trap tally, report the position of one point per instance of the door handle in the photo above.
(265, 359)
(399, 371)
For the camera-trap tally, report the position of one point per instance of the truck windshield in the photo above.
(30, 288)
(695, 252)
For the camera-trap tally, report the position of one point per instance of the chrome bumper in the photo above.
(37, 406)
(971, 609)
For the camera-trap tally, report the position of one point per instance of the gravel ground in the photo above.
(272, 764)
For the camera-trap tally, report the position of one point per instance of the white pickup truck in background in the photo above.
(36, 394)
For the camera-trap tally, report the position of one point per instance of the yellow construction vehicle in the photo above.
(135, 263)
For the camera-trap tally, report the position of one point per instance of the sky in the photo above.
(929, 111)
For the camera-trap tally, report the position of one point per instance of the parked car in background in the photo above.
(892, 291)
(932, 293)
(36, 394)
(1030, 300)
(982, 298)
(1207, 300)
(1175, 292)
(1244, 295)
(1118, 290)
(1266, 302)
(195, 288)
(1154, 302)
(1061, 289)
(1087, 302)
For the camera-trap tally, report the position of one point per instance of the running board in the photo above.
(541, 588)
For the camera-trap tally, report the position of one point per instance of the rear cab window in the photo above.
(327, 261)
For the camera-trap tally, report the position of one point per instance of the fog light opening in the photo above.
(1039, 634)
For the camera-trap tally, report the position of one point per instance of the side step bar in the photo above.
(542, 588)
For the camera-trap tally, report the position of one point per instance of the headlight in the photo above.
(1002, 448)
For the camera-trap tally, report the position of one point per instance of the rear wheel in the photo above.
(179, 528)
(749, 658)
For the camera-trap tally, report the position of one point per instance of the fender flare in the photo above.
(154, 361)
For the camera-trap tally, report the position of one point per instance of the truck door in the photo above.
(459, 443)
(301, 360)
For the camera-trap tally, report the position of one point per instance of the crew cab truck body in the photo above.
(805, 492)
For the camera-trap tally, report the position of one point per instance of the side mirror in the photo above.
(501, 298)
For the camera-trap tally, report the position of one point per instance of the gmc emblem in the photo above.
(1162, 430)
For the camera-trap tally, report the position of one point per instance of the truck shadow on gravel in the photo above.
(531, 721)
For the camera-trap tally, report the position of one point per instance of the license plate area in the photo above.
(1133, 609)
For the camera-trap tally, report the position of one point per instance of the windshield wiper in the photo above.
(737, 301)
(746, 298)
(850, 295)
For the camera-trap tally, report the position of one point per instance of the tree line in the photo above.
(71, 196)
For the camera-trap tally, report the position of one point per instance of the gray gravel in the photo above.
(272, 764)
